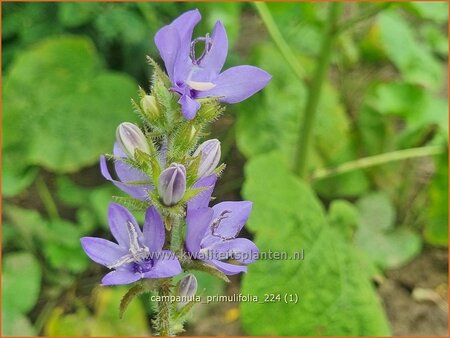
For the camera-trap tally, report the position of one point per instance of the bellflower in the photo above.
(131, 181)
(172, 184)
(211, 236)
(198, 76)
(210, 157)
(137, 254)
(130, 137)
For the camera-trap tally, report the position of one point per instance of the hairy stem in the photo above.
(47, 199)
(176, 241)
(309, 114)
(163, 316)
(372, 161)
(277, 37)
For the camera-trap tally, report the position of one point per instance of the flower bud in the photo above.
(130, 138)
(187, 289)
(149, 106)
(172, 184)
(210, 157)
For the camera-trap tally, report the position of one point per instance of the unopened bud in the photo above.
(150, 106)
(187, 289)
(130, 138)
(210, 157)
(172, 184)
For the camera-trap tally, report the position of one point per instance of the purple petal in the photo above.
(154, 233)
(185, 25)
(240, 249)
(198, 221)
(118, 217)
(202, 199)
(189, 106)
(227, 268)
(235, 220)
(101, 250)
(119, 277)
(137, 191)
(167, 266)
(167, 41)
(238, 83)
(212, 63)
(174, 41)
(124, 171)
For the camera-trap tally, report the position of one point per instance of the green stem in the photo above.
(47, 199)
(372, 161)
(376, 9)
(163, 317)
(176, 240)
(309, 114)
(277, 37)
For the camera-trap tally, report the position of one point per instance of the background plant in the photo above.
(374, 179)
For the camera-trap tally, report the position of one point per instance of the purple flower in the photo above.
(172, 184)
(211, 236)
(130, 137)
(197, 76)
(131, 181)
(210, 157)
(138, 254)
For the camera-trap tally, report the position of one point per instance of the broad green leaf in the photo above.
(433, 10)
(386, 245)
(69, 118)
(413, 59)
(16, 177)
(436, 229)
(411, 102)
(16, 324)
(63, 249)
(28, 225)
(21, 282)
(336, 296)
(376, 211)
(343, 215)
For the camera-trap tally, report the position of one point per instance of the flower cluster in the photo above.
(168, 175)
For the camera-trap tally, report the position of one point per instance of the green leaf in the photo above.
(273, 122)
(16, 324)
(343, 215)
(287, 217)
(16, 176)
(414, 59)
(63, 249)
(74, 14)
(385, 245)
(21, 282)
(60, 107)
(105, 319)
(436, 229)
(376, 211)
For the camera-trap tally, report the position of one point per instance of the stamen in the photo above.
(200, 86)
(137, 253)
(208, 43)
(215, 224)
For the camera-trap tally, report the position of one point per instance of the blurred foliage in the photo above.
(346, 303)
(70, 70)
(104, 320)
